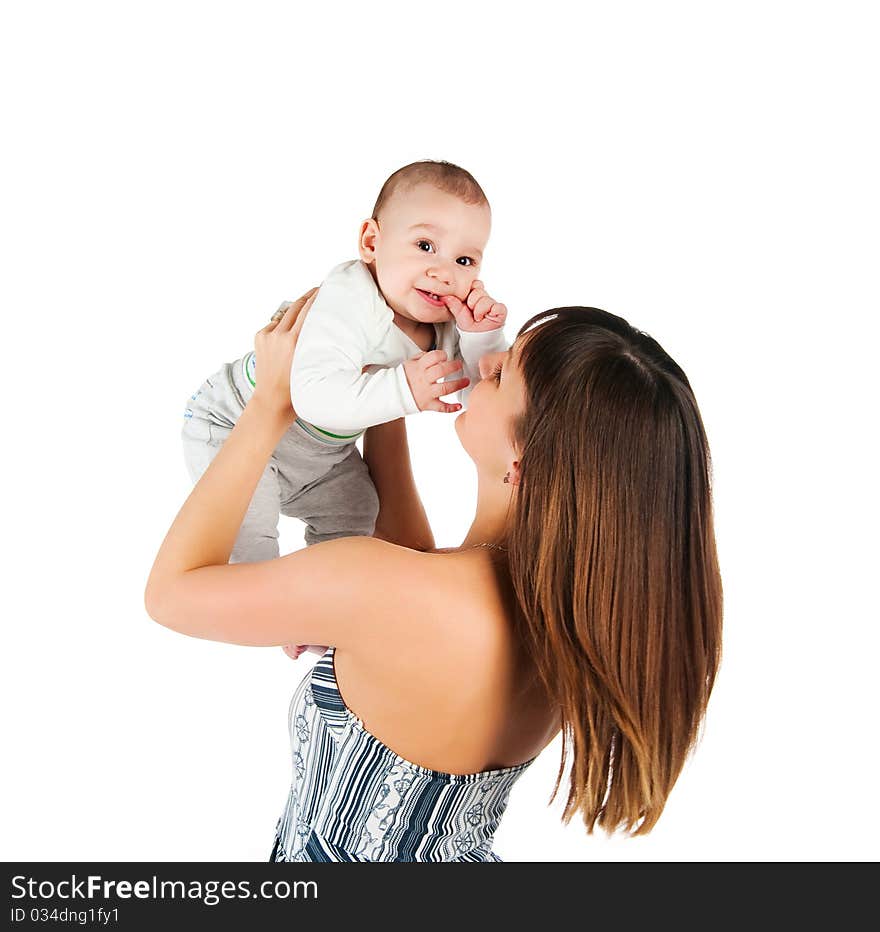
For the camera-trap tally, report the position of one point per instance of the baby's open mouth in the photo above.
(431, 297)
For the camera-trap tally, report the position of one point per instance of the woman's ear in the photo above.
(367, 240)
(513, 473)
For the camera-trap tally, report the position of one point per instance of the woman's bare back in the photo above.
(465, 701)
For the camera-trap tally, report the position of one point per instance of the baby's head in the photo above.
(426, 238)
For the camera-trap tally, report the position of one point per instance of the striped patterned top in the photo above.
(354, 799)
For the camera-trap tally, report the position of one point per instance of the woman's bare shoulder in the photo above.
(431, 581)
(447, 589)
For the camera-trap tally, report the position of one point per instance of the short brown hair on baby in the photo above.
(443, 175)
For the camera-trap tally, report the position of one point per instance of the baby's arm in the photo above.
(480, 322)
(328, 386)
(472, 347)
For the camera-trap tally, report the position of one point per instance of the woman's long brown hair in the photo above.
(613, 561)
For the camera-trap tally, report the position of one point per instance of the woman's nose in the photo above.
(487, 364)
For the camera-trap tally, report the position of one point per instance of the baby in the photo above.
(357, 362)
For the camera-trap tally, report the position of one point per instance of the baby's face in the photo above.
(426, 243)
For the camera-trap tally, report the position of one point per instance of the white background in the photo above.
(172, 171)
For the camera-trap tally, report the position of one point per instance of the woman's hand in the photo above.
(273, 352)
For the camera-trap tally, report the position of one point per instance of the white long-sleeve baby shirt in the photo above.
(347, 372)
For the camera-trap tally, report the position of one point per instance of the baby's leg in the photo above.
(343, 504)
(210, 417)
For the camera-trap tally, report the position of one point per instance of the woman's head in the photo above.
(495, 404)
(611, 552)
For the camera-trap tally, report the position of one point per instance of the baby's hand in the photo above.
(423, 372)
(295, 650)
(480, 313)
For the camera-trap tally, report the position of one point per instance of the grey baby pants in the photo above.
(327, 486)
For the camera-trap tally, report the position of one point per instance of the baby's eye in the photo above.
(465, 260)
(422, 243)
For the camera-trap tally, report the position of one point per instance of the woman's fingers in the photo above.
(304, 312)
(293, 313)
(295, 310)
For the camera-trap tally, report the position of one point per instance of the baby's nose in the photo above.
(444, 272)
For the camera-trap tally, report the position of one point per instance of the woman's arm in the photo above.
(204, 531)
(346, 592)
(402, 519)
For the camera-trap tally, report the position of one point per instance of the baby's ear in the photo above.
(368, 239)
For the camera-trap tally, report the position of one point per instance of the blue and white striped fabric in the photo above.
(353, 799)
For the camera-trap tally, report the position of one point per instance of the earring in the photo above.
(507, 478)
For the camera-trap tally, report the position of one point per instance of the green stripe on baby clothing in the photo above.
(249, 368)
(325, 436)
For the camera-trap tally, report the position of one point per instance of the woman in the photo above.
(585, 597)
